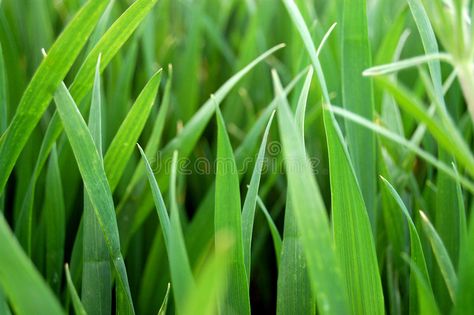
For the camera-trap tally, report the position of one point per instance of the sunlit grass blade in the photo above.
(54, 218)
(405, 64)
(76, 301)
(351, 227)
(420, 279)
(228, 219)
(302, 101)
(48, 76)
(181, 274)
(96, 272)
(95, 182)
(124, 140)
(20, 279)
(310, 214)
(441, 255)
(164, 304)
(357, 97)
(273, 230)
(248, 210)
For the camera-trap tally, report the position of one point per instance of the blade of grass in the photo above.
(20, 279)
(122, 145)
(248, 210)
(96, 272)
(39, 92)
(181, 274)
(277, 243)
(351, 227)
(311, 218)
(228, 218)
(54, 214)
(164, 304)
(76, 301)
(357, 95)
(441, 255)
(95, 182)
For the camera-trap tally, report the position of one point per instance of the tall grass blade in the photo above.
(76, 301)
(277, 243)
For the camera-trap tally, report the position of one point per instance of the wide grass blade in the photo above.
(357, 95)
(95, 182)
(96, 272)
(227, 219)
(21, 282)
(49, 75)
(248, 210)
(351, 227)
(310, 214)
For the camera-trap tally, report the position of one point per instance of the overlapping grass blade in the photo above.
(95, 182)
(351, 227)
(124, 140)
(310, 214)
(357, 95)
(442, 256)
(420, 279)
(228, 219)
(96, 272)
(20, 279)
(248, 210)
(273, 230)
(181, 274)
(76, 301)
(55, 220)
(39, 92)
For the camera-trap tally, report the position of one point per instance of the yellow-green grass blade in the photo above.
(96, 272)
(124, 140)
(48, 76)
(95, 182)
(76, 301)
(248, 210)
(302, 101)
(442, 256)
(352, 231)
(19, 279)
(55, 219)
(276, 238)
(420, 278)
(310, 213)
(164, 304)
(210, 286)
(357, 95)
(181, 275)
(228, 219)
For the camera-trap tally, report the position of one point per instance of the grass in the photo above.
(348, 124)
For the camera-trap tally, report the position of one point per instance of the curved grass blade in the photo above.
(164, 304)
(96, 272)
(76, 301)
(181, 274)
(48, 76)
(228, 219)
(277, 243)
(303, 99)
(352, 231)
(95, 182)
(124, 141)
(420, 278)
(441, 255)
(20, 279)
(310, 214)
(248, 210)
(55, 219)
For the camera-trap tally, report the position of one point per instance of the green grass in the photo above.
(348, 124)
